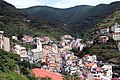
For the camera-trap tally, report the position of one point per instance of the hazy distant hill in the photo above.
(78, 18)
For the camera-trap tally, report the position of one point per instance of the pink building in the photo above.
(103, 39)
(27, 39)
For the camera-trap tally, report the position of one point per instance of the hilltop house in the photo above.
(115, 28)
(116, 31)
(67, 37)
(104, 31)
(103, 39)
(27, 39)
(116, 36)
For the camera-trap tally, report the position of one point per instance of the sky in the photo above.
(57, 3)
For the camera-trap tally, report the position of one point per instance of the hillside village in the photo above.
(68, 56)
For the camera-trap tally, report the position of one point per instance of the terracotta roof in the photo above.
(103, 36)
(96, 79)
(90, 64)
(43, 73)
(98, 68)
(86, 55)
(104, 28)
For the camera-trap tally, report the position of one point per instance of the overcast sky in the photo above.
(57, 3)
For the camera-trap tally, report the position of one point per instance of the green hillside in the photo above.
(78, 19)
(16, 22)
(51, 14)
(105, 23)
(52, 22)
(10, 68)
(107, 51)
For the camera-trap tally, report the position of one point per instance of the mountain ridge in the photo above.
(16, 22)
(76, 18)
(56, 22)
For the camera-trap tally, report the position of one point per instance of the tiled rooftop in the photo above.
(45, 73)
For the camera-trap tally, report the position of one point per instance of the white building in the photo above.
(107, 72)
(102, 73)
(6, 44)
(14, 37)
(1, 39)
(21, 51)
(39, 45)
(115, 28)
(36, 55)
(89, 58)
(116, 32)
(116, 36)
(104, 31)
(55, 48)
(82, 46)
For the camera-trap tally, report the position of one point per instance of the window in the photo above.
(98, 75)
(95, 75)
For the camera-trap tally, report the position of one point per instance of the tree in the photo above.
(11, 76)
(44, 78)
(71, 77)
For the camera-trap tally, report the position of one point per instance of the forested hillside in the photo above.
(77, 19)
(16, 22)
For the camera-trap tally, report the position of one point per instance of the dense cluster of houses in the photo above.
(58, 57)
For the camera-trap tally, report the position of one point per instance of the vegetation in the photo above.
(71, 77)
(105, 51)
(16, 22)
(9, 66)
(107, 22)
(77, 19)
(52, 22)
(116, 69)
(11, 76)
(44, 78)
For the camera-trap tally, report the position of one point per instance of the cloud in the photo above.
(56, 3)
